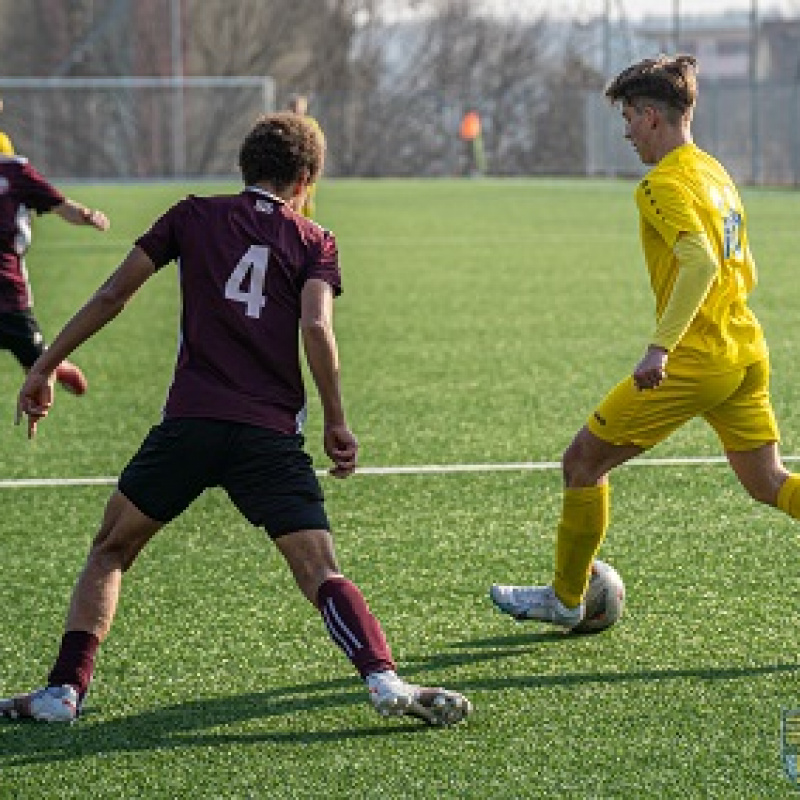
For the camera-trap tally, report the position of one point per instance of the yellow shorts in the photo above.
(736, 404)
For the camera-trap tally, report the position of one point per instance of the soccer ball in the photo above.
(605, 599)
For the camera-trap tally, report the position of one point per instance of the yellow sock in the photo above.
(584, 519)
(789, 496)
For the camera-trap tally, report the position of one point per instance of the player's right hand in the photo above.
(652, 369)
(342, 448)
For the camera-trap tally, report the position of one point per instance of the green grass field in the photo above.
(480, 322)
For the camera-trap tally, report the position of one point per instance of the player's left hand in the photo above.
(99, 220)
(652, 369)
(35, 399)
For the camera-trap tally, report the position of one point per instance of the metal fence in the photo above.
(149, 128)
(753, 130)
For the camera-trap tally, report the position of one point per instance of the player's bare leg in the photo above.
(760, 471)
(123, 532)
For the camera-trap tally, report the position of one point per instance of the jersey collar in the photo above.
(265, 193)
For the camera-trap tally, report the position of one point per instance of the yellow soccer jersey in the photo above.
(310, 205)
(6, 148)
(688, 191)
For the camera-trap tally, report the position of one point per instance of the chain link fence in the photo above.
(753, 130)
(122, 129)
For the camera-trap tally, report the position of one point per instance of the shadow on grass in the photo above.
(196, 723)
(480, 650)
(193, 724)
(703, 673)
(488, 650)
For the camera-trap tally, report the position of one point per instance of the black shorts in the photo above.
(267, 475)
(20, 333)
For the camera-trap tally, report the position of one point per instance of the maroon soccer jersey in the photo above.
(22, 190)
(242, 260)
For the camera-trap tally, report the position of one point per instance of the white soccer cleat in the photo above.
(393, 697)
(535, 602)
(51, 704)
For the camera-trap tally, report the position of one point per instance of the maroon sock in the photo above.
(75, 663)
(353, 627)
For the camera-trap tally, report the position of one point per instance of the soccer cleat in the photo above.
(51, 704)
(71, 378)
(393, 697)
(535, 602)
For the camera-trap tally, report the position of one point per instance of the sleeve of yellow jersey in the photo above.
(697, 268)
(669, 208)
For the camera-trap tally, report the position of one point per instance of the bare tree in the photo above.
(454, 61)
(389, 82)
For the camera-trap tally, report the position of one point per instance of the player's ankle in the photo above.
(381, 675)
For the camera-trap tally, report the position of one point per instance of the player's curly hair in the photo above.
(668, 80)
(279, 148)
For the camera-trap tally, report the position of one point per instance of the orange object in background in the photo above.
(470, 126)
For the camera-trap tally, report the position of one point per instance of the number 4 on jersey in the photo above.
(246, 282)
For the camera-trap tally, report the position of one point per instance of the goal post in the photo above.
(133, 127)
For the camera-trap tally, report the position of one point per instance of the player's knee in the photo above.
(763, 492)
(108, 555)
(763, 485)
(311, 558)
(570, 458)
(576, 469)
(116, 548)
(309, 577)
(123, 532)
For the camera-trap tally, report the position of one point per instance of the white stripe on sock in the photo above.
(347, 632)
(336, 635)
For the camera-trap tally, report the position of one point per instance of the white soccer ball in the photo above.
(604, 601)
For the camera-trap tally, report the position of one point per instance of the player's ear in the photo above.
(302, 182)
(298, 190)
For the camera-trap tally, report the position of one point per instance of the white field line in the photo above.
(417, 469)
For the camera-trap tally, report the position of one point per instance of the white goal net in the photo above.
(133, 128)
